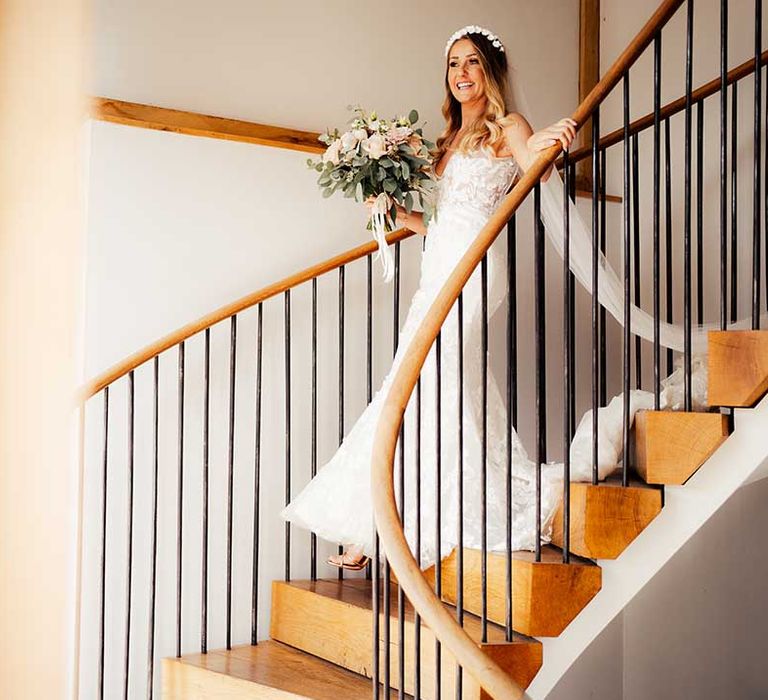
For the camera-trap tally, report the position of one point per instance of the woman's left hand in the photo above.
(563, 131)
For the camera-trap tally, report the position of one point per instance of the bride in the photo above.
(482, 150)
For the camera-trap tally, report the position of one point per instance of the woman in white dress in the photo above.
(480, 153)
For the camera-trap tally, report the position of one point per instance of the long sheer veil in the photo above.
(610, 287)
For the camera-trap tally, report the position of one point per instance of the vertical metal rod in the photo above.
(103, 559)
(206, 492)
(369, 353)
(287, 336)
(572, 283)
(257, 483)
(511, 412)
(376, 597)
(180, 501)
(636, 253)
(602, 316)
(231, 470)
(153, 563)
(687, 317)
(129, 571)
(668, 234)
(566, 361)
(438, 504)
(656, 221)
(400, 591)
(417, 543)
(540, 341)
(460, 485)
(734, 201)
(341, 380)
(757, 170)
(700, 213)
(595, 300)
(627, 250)
(484, 448)
(723, 164)
(313, 436)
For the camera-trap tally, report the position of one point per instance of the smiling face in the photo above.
(465, 77)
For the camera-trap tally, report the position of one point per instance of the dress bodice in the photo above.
(476, 180)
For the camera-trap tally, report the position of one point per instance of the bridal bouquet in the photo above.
(388, 160)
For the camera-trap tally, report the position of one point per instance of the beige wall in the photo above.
(40, 259)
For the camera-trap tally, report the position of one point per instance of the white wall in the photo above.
(180, 225)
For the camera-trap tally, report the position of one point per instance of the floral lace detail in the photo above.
(475, 180)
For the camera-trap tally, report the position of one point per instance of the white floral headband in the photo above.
(474, 29)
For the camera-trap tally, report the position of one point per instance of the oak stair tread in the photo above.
(357, 593)
(270, 670)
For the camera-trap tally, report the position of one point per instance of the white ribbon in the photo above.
(380, 226)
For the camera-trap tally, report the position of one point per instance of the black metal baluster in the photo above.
(341, 381)
(757, 171)
(400, 591)
(153, 563)
(700, 213)
(376, 596)
(231, 471)
(484, 449)
(257, 483)
(540, 340)
(369, 354)
(636, 253)
(627, 331)
(595, 301)
(417, 545)
(180, 494)
(567, 378)
(511, 413)
(287, 484)
(603, 324)
(668, 234)
(460, 485)
(129, 571)
(723, 164)
(103, 560)
(734, 201)
(656, 222)
(438, 507)
(206, 493)
(313, 436)
(687, 318)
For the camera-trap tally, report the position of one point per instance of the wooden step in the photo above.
(270, 670)
(333, 620)
(671, 445)
(546, 595)
(606, 518)
(738, 367)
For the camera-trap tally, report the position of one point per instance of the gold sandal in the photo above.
(342, 561)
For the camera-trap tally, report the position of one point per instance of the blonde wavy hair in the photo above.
(487, 132)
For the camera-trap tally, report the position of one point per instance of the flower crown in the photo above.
(474, 29)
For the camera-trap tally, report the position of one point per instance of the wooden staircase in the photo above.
(322, 630)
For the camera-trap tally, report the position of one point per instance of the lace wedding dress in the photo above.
(336, 504)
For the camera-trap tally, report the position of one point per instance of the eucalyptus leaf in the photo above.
(413, 117)
(408, 202)
(389, 185)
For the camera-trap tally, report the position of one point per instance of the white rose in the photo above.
(360, 134)
(349, 140)
(332, 152)
(375, 146)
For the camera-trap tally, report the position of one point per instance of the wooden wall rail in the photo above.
(133, 361)
(195, 124)
(416, 587)
(669, 110)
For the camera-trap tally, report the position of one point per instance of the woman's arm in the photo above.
(526, 145)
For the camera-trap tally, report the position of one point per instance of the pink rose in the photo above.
(375, 146)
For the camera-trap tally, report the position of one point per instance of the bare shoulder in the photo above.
(516, 126)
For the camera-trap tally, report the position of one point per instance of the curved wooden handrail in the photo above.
(706, 90)
(138, 358)
(489, 674)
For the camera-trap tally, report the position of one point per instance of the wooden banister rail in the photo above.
(489, 674)
(707, 90)
(196, 124)
(138, 358)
